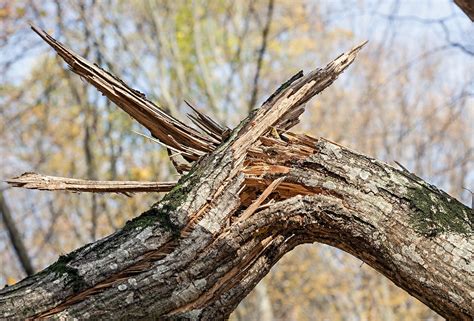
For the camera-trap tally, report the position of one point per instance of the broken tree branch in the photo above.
(200, 250)
(416, 235)
(54, 183)
(135, 103)
(290, 97)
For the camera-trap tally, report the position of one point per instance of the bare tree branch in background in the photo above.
(15, 237)
(439, 21)
(452, 43)
(261, 53)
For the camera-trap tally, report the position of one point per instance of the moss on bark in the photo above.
(439, 213)
(61, 267)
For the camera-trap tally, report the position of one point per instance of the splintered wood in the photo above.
(265, 168)
(162, 126)
(54, 183)
(186, 145)
(253, 207)
(285, 103)
(206, 216)
(208, 125)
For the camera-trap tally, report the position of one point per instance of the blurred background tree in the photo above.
(409, 98)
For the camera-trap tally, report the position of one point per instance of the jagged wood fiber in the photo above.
(54, 183)
(245, 203)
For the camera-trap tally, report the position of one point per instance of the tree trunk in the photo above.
(197, 253)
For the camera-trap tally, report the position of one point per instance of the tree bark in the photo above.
(197, 253)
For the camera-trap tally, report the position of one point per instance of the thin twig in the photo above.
(261, 53)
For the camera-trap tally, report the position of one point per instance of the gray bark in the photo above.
(197, 253)
(191, 256)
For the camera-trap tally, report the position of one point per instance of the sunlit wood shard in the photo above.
(265, 194)
(284, 104)
(54, 183)
(207, 124)
(161, 125)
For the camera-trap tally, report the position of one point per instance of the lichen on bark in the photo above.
(438, 213)
(161, 211)
(61, 268)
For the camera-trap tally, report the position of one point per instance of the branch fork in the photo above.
(253, 194)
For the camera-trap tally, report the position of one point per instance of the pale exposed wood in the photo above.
(54, 183)
(160, 124)
(256, 204)
(290, 98)
(210, 126)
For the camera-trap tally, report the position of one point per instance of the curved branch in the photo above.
(199, 251)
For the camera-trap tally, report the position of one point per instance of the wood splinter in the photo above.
(199, 251)
(255, 205)
(53, 183)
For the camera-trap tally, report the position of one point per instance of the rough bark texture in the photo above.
(192, 256)
(197, 253)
